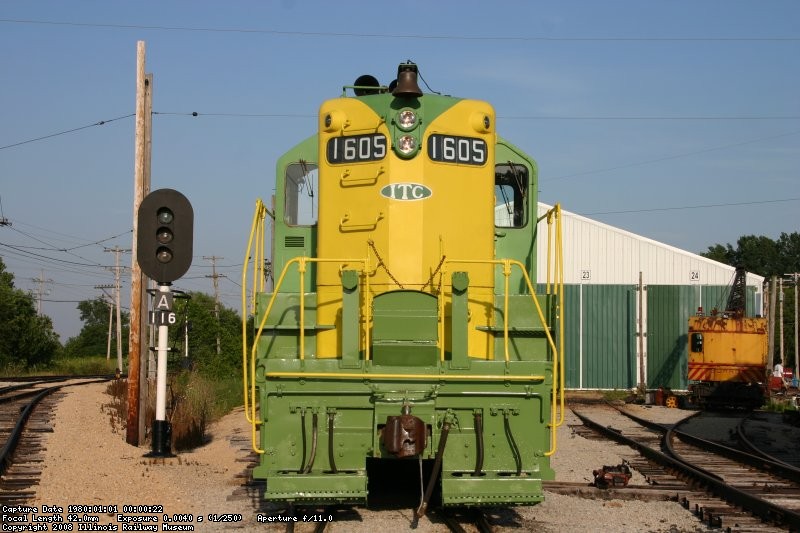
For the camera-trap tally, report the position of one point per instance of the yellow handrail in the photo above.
(301, 261)
(256, 229)
(432, 377)
(558, 401)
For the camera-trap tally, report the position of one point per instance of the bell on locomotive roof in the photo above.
(407, 81)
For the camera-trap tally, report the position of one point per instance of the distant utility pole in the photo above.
(3, 220)
(771, 322)
(795, 276)
(780, 320)
(116, 251)
(110, 302)
(214, 276)
(40, 291)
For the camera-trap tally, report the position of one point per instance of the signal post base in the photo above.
(162, 439)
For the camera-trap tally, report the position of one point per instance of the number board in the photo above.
(454, 149)
(163, 318)
(356, 148)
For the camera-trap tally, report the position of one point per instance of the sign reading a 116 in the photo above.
(163, 314)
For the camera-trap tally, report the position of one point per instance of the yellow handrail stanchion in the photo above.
(256, 338)
(253, 231)
(560, 273)
(367, 308)
(301, 269)
(506, 278)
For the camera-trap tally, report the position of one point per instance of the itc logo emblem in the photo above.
(407, 192)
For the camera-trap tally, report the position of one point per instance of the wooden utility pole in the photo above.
(138, 320)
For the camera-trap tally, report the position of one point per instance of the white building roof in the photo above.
(596, 253)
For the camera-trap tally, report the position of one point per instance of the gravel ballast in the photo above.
(88, 463)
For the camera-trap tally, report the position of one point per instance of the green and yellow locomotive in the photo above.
(403, 323)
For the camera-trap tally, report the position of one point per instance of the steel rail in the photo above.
(766, 463)
(759, 460)
(16, 433)
(761, 508)
(781, 466)
(474, 514)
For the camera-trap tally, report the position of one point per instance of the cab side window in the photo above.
(302, 183)
(510, 195)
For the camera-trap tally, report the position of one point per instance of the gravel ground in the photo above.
(89, 463)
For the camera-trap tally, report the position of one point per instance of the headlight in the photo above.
(407, 120)
(406, 145)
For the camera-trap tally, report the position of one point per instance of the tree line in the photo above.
(766, 257)
(28, 340)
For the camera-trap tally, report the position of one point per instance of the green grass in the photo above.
(77, 366)
(616, 395)
(84, 366)
(193, 402)
(779, 405)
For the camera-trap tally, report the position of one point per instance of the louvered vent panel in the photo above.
(294, 241)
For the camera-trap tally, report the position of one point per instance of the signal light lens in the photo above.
(165, 216)
(164, 254)
(164, 235)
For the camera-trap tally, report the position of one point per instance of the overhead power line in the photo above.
(668, 157)
(101, 123)
(238, 115)
(652, 117)
(677, 208)
(18, 249)
(503, 117)
(57, 249)
(508, 38)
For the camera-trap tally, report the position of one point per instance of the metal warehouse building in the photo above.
(627, 303)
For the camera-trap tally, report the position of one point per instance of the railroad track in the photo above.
(724, 486)
(758, 434)
(26, 412)
(456, 519)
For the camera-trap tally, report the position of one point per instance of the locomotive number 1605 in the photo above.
(356, 148)
(454, 149)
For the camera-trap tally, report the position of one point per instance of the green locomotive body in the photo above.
(404, 323)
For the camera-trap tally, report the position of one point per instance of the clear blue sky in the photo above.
(637, 112)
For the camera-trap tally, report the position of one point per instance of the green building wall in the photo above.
(601, 333)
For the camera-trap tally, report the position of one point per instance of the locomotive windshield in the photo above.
(511, 195)
(302, 184)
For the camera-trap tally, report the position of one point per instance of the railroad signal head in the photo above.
(165, 232)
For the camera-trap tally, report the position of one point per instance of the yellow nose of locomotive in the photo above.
(404, 182)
